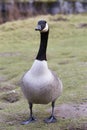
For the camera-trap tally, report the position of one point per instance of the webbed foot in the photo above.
(51, 119)
(30, 120)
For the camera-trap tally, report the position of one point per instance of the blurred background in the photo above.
(66, 53)
(20, 9)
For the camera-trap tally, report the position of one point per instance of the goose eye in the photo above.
(42, 26)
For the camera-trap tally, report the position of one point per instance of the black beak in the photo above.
(38, 28)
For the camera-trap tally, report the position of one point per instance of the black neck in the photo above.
(43, 46)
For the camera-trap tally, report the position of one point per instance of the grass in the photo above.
(67, 56)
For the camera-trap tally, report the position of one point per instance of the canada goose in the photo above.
(40, 85)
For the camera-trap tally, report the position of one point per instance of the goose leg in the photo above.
(31, 118)
(52, 118)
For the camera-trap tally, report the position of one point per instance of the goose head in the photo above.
(42, 26)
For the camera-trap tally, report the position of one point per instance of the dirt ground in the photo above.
(71, 110)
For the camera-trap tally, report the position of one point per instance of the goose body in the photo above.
(41, 85)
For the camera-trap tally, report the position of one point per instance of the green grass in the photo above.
(67, 56)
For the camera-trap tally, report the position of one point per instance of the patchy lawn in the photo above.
(67, 56)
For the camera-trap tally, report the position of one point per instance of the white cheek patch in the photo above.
(45, 29)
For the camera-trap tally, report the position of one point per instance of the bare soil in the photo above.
(71, 110)
(9, 54)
